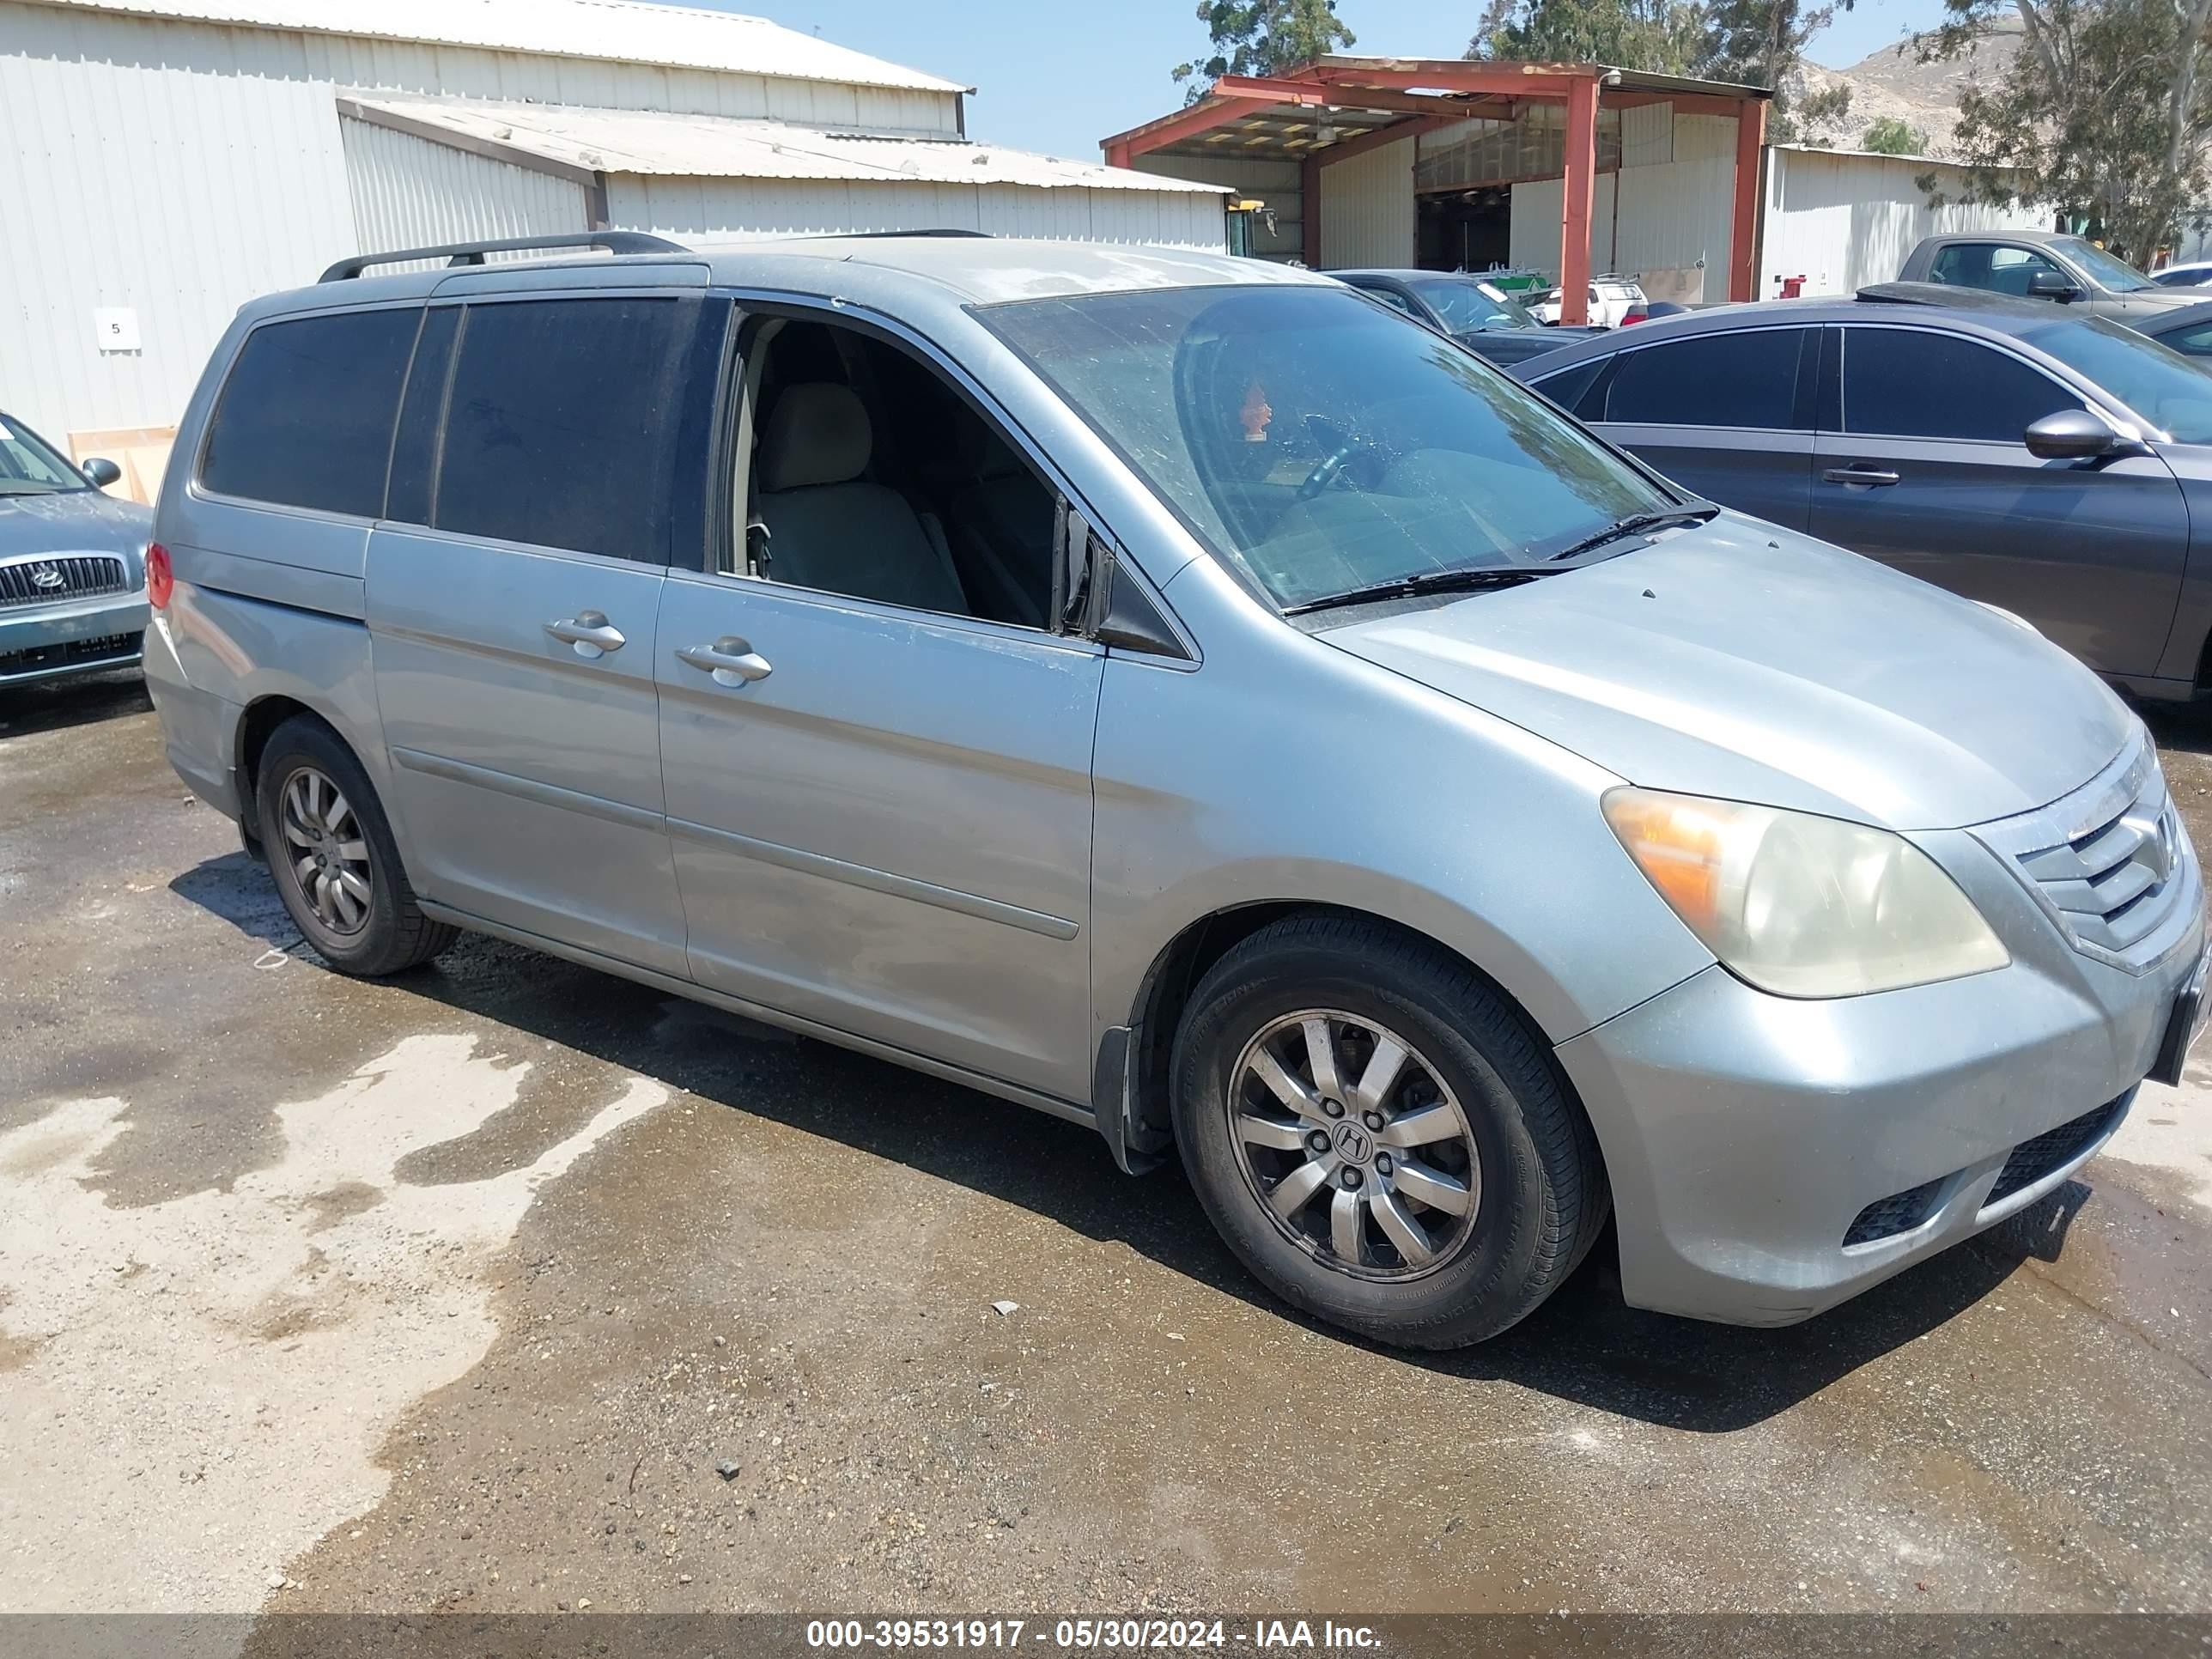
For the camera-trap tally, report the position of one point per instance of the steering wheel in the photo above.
(1342, 445)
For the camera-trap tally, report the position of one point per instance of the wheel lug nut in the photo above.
(1351, 1179)
(1332, 1109)
(1374, 1120)
(1383, 1164)
(1318, 1141)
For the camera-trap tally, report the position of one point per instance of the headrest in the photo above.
(817, 434)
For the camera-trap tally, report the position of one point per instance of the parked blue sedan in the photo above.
(72, 563)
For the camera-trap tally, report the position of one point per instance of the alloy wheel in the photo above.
(1356, 1148)
(328, 854)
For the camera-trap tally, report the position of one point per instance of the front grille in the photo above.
(70, 576)
(41, 658)
(1901, 1212)
(2109, 860)
(2053, 1149)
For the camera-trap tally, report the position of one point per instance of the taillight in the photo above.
(160, 579)
(1635, 314)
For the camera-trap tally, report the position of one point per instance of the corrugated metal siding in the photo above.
(1657, 221)
(676, 145)
(182, 168)
(1367, 210)
(737, 207)
(1704, 137)
(139, 180)
(1647, 135)
(1280, 184)
(410, 193)
(1844, 221)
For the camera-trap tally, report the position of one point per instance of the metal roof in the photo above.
(1361, 100)
(570, 140)
(614, 31)
(1614, 79)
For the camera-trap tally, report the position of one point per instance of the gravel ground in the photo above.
(510, 1286)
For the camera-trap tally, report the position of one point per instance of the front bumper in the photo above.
(45, 643)
(1745, 1134)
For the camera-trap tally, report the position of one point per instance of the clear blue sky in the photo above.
(1058, 75)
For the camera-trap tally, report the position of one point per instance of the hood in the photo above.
(2144, 301)
(74, 521)
(1739, 660)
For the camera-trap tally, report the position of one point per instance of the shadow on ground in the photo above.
(56, 705)
(1584, 1344)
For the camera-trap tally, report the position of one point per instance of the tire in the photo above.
(1478, 1120)
(367, 935)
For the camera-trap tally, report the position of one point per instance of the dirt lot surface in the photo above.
(508, 1286)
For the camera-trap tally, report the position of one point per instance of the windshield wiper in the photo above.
(1425, 581)
(1636, 525)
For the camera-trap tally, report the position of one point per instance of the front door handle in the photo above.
(590, 632)
(1858, 473)
(730, 659)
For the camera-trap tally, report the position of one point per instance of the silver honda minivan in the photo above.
(1176, 693)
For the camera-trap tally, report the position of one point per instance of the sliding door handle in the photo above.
(730, 659)
(1857, 474)
(590, 632)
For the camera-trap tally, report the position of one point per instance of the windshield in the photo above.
(1321, 444)
(1466, 305)
(2112, 272)
(2166, 388)
(28, 467)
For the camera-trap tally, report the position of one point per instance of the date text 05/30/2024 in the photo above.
(1089, 1635)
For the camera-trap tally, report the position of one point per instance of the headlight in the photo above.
(1799, 905)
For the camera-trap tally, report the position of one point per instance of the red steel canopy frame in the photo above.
(1420, 94)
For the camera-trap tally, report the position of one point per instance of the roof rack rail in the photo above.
(472, 253)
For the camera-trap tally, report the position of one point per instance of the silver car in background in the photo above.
(1179, 694)
(72, 563)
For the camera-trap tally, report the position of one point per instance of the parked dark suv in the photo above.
(2044, 461)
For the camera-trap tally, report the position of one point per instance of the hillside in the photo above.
(1891, 83)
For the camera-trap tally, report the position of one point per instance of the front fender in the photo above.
(1285, 769)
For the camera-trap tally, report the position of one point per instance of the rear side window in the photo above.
(305, 419)
(562, 427)
(2194, 342)
(1746, 380)
(1570, 386)
(1994, 266)
(1914, 383)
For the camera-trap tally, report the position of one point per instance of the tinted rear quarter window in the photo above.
(2195, 341)
(1915, 383)
(306, 415)
(1743, 379)
(1568, 386)
(561, 430)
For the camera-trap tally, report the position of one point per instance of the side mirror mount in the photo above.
(2074, 435)
(102, 471)
(2053, 285)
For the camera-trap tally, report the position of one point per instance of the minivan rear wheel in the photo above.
(1380, 1136)
(331, 852)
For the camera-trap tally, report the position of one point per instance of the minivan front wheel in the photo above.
(332, 855)
(1379, 1137)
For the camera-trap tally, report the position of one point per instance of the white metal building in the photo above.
(1842, 219)
(168, 159)
(1396, 162)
